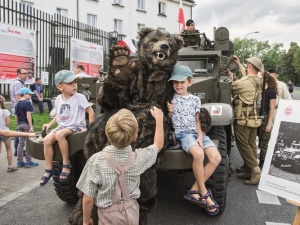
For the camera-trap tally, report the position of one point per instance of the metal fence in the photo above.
(53, 34)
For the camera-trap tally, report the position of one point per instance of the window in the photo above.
(92, 20)
(140, 26)
(118, 26)
(26, 8)
(60, 13)
(141, 4)
(161, 8)
(119, 2)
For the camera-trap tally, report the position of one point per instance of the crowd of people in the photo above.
(98, 179)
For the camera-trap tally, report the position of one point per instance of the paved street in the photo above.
(13, 185)
(21, 194)
(23, 202)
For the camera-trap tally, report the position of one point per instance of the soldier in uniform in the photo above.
(191, 36)
(245, 135)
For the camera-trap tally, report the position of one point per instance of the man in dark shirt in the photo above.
(191, 36)
(38, 96)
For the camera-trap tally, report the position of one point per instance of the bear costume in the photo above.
(136, 84)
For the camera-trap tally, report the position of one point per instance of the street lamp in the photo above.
(255, 32)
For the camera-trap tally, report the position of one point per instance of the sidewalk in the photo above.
(15, 184)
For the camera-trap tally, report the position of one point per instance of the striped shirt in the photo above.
(98, 178)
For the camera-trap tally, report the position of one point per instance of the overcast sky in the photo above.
(277, 21)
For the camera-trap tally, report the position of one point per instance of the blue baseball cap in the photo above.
(181, 73)
(25, 91)
(64, 76)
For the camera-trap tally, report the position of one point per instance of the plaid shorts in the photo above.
(72, 128)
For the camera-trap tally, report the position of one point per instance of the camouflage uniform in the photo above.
(264, 138)
(191, 38)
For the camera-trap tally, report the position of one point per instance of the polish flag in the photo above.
(128, 42)
(181, 16)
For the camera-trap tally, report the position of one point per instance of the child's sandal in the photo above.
(209, 207)
(11, 169)
(65, 174)
(45, 179)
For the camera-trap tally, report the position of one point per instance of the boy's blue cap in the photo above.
(181, 73)
(25, 91)
(64, 76)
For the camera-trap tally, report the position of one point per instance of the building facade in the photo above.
(126, 17)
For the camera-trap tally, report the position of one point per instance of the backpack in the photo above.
(120, 213)
(249, 114)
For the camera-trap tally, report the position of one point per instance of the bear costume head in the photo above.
(158, 49)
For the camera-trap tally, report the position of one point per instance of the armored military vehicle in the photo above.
(209, 62)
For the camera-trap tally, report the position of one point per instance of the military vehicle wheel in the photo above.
(67, 190)
(297, 166)
(218, 181)
(276, 162)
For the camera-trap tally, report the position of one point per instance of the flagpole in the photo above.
(181, 19)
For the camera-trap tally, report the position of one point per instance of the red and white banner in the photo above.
(17, 49)
(181, 16)
(88, 54)
(128, 42)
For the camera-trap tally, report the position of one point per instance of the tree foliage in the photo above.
(286, 63)
(287, 69)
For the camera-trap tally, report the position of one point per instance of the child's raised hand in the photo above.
(156, 113)
(170, 108)
(46, 126)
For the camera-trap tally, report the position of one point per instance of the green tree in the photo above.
(296, 62)
(287, 69)
(272, 58)
(270, 55)
(245, 48)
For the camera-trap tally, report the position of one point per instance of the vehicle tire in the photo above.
(297, 166)
(218, 181)
(67, 190)
(276, 162)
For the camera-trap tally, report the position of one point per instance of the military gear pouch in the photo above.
(248, 114)
(249, 122)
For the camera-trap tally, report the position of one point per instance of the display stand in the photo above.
(297, 217)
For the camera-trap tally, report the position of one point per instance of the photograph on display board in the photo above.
(281, 169)
(285, 162)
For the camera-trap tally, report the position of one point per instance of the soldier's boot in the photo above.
(245, 175)
(255, 176)
(244, 168)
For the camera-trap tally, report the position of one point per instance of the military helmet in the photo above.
(255, 62)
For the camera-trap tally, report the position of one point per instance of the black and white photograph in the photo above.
(281, 171)
(286, 155)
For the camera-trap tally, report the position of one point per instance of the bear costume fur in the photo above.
(136, 84)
